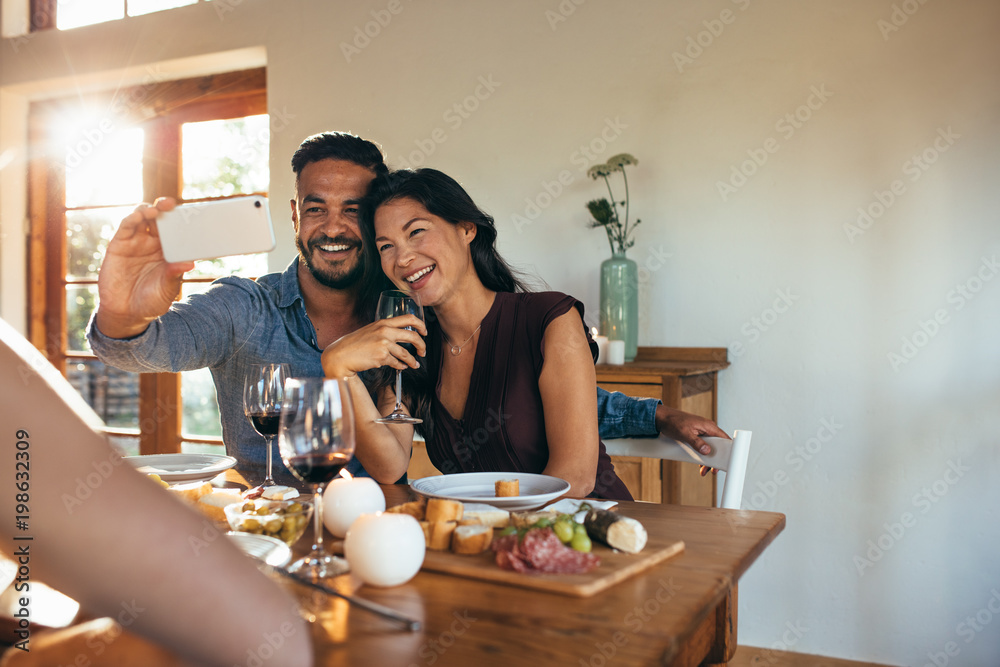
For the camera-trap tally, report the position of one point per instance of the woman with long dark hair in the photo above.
(507, 378)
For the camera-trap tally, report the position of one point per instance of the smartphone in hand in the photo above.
(206, 230)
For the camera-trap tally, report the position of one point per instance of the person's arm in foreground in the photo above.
(567, 385)
(113, 540)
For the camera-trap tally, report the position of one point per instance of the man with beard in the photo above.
(288, 317)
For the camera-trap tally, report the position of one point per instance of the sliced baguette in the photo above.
(471, 539)
(191, 492)
(439, 509)
(440, 532)
(417, 509)
(506, 488)
(212, 504)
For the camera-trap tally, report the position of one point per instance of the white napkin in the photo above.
(572, 506)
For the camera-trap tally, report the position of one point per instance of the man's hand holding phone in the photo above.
(136, 284)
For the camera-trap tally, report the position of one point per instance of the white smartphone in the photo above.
(207, 230)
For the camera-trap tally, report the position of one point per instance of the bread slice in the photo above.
(426, 527)
(440, 532)
(417, 509)
(212, 504)
(191, 492)
(486, 515)
(507, 488)
(471, 539)
(439, 509)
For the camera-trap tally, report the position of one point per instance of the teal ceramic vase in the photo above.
(620, 302)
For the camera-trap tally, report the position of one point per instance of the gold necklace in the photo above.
(457, 349)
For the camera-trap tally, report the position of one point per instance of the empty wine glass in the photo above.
(316, 440)
(393, 303)
(263, 391)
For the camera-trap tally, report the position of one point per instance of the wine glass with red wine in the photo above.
(263, 391)
(393, 303)
(316, 440)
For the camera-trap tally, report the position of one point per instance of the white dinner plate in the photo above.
(174, 468)
(264, 548)
(479, 487)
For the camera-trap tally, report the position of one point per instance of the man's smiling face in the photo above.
(325, 214)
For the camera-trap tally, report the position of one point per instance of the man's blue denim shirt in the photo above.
(238, 322)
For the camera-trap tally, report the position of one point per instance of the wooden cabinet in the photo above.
(685, 378)
(681, 377)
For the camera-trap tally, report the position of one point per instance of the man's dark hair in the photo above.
(339, 146)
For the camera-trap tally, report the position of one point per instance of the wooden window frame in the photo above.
(160, 108)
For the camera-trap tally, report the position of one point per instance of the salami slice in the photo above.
(541, 551)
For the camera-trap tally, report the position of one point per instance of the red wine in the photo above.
(266, 423)
(409, 347)
(316, 468)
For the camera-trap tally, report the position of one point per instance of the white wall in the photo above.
(816, 376)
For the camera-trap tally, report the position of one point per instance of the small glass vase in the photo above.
(620, 302)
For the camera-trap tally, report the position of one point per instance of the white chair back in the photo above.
(728, 455)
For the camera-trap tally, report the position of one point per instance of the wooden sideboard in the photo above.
(681, 377)
(685, 378)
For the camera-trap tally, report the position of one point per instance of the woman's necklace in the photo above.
(457, 349)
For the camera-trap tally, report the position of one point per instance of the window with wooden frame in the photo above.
(93, 158)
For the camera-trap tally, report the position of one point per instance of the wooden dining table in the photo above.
(679, 612)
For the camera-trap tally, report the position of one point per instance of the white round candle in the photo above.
(385, 549)
(346, 499)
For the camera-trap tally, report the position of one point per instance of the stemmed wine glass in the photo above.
(393, 303)
(262, 394)
(316, 440)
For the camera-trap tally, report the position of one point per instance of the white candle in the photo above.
(602, 346)
(616, 352)
(346, 499)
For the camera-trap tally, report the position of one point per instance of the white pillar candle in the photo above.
(346, 499)
(602, 348)
(616, 352)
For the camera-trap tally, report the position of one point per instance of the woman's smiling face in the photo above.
(421, 252)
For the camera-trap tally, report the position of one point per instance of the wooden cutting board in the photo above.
(615, 566)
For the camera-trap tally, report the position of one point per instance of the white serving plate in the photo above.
(479, 487)
(174, 468)
(264, 548)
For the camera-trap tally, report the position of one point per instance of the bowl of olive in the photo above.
(283, 519)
